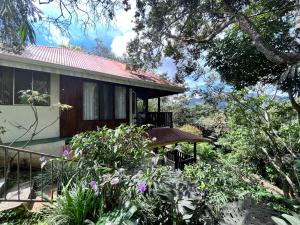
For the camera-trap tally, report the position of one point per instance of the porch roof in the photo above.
(166, 136)
(80, 64)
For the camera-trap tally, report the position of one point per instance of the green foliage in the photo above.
(207, 151)
(240, 63)
(223, 182)
(200, 30)
(264, 133)
(287, 219)
(120, 216)
(169, 197)
(108, 148)
(55, 176)
(75, 205)
(17, 19)
(21, 216)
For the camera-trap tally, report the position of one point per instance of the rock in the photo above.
(12, 194)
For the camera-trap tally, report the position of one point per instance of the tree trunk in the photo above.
(294, 103)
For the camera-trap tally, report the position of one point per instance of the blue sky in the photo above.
(115, 36)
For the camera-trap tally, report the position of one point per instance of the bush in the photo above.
(124, 146)
(168, 198)
(76, 205)
(223, 182)
(104, 163)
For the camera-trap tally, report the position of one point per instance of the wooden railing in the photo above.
(180, 159)
(159, 119)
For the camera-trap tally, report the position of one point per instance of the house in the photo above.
(101, 91)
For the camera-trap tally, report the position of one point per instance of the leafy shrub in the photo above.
(207, 151)
(105, 162)
(120, 216)
(168, 198)
(75, 205)
(124, 146)
(287, 219)
(223, 182)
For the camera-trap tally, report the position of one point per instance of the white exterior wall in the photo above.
(23, 115)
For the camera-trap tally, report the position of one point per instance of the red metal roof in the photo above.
(81, 60)
(165, 136)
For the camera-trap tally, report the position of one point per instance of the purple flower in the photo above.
(93, 185)
(42, 158)
(114, 181)
(66, 153)
(142, 187)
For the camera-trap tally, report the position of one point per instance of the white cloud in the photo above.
(124, 22)
(119, 43)
(56, 36)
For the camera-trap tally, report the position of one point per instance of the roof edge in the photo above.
(25, 63)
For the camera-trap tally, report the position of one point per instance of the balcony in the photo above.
(156, 119)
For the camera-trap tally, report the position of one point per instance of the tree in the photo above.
(19, 17)
(101, 50)
(187, 30)
(265, 130)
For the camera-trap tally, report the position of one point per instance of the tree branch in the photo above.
(270, 52)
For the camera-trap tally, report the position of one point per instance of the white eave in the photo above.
(30, 64)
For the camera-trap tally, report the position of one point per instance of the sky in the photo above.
(115, 36)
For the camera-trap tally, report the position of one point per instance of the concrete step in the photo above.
(12, 194)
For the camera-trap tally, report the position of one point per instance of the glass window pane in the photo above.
(23, 82)
(41, 83)
(90, 101)
(120, 102)
(106, 100)
(6, 86)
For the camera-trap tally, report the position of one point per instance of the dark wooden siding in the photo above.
(71, 121)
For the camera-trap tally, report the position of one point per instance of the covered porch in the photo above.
(162, 137)
(144, 115)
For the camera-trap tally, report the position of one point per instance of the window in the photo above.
(120, 102)
(23, 82)
(90, 101)
(106, 100)
(41, 83)
(6, 86)
(31, 80)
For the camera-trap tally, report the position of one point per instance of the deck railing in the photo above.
(159, 119)
(18, 162)
(180, 159)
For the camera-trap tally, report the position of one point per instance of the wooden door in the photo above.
(70, 94)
